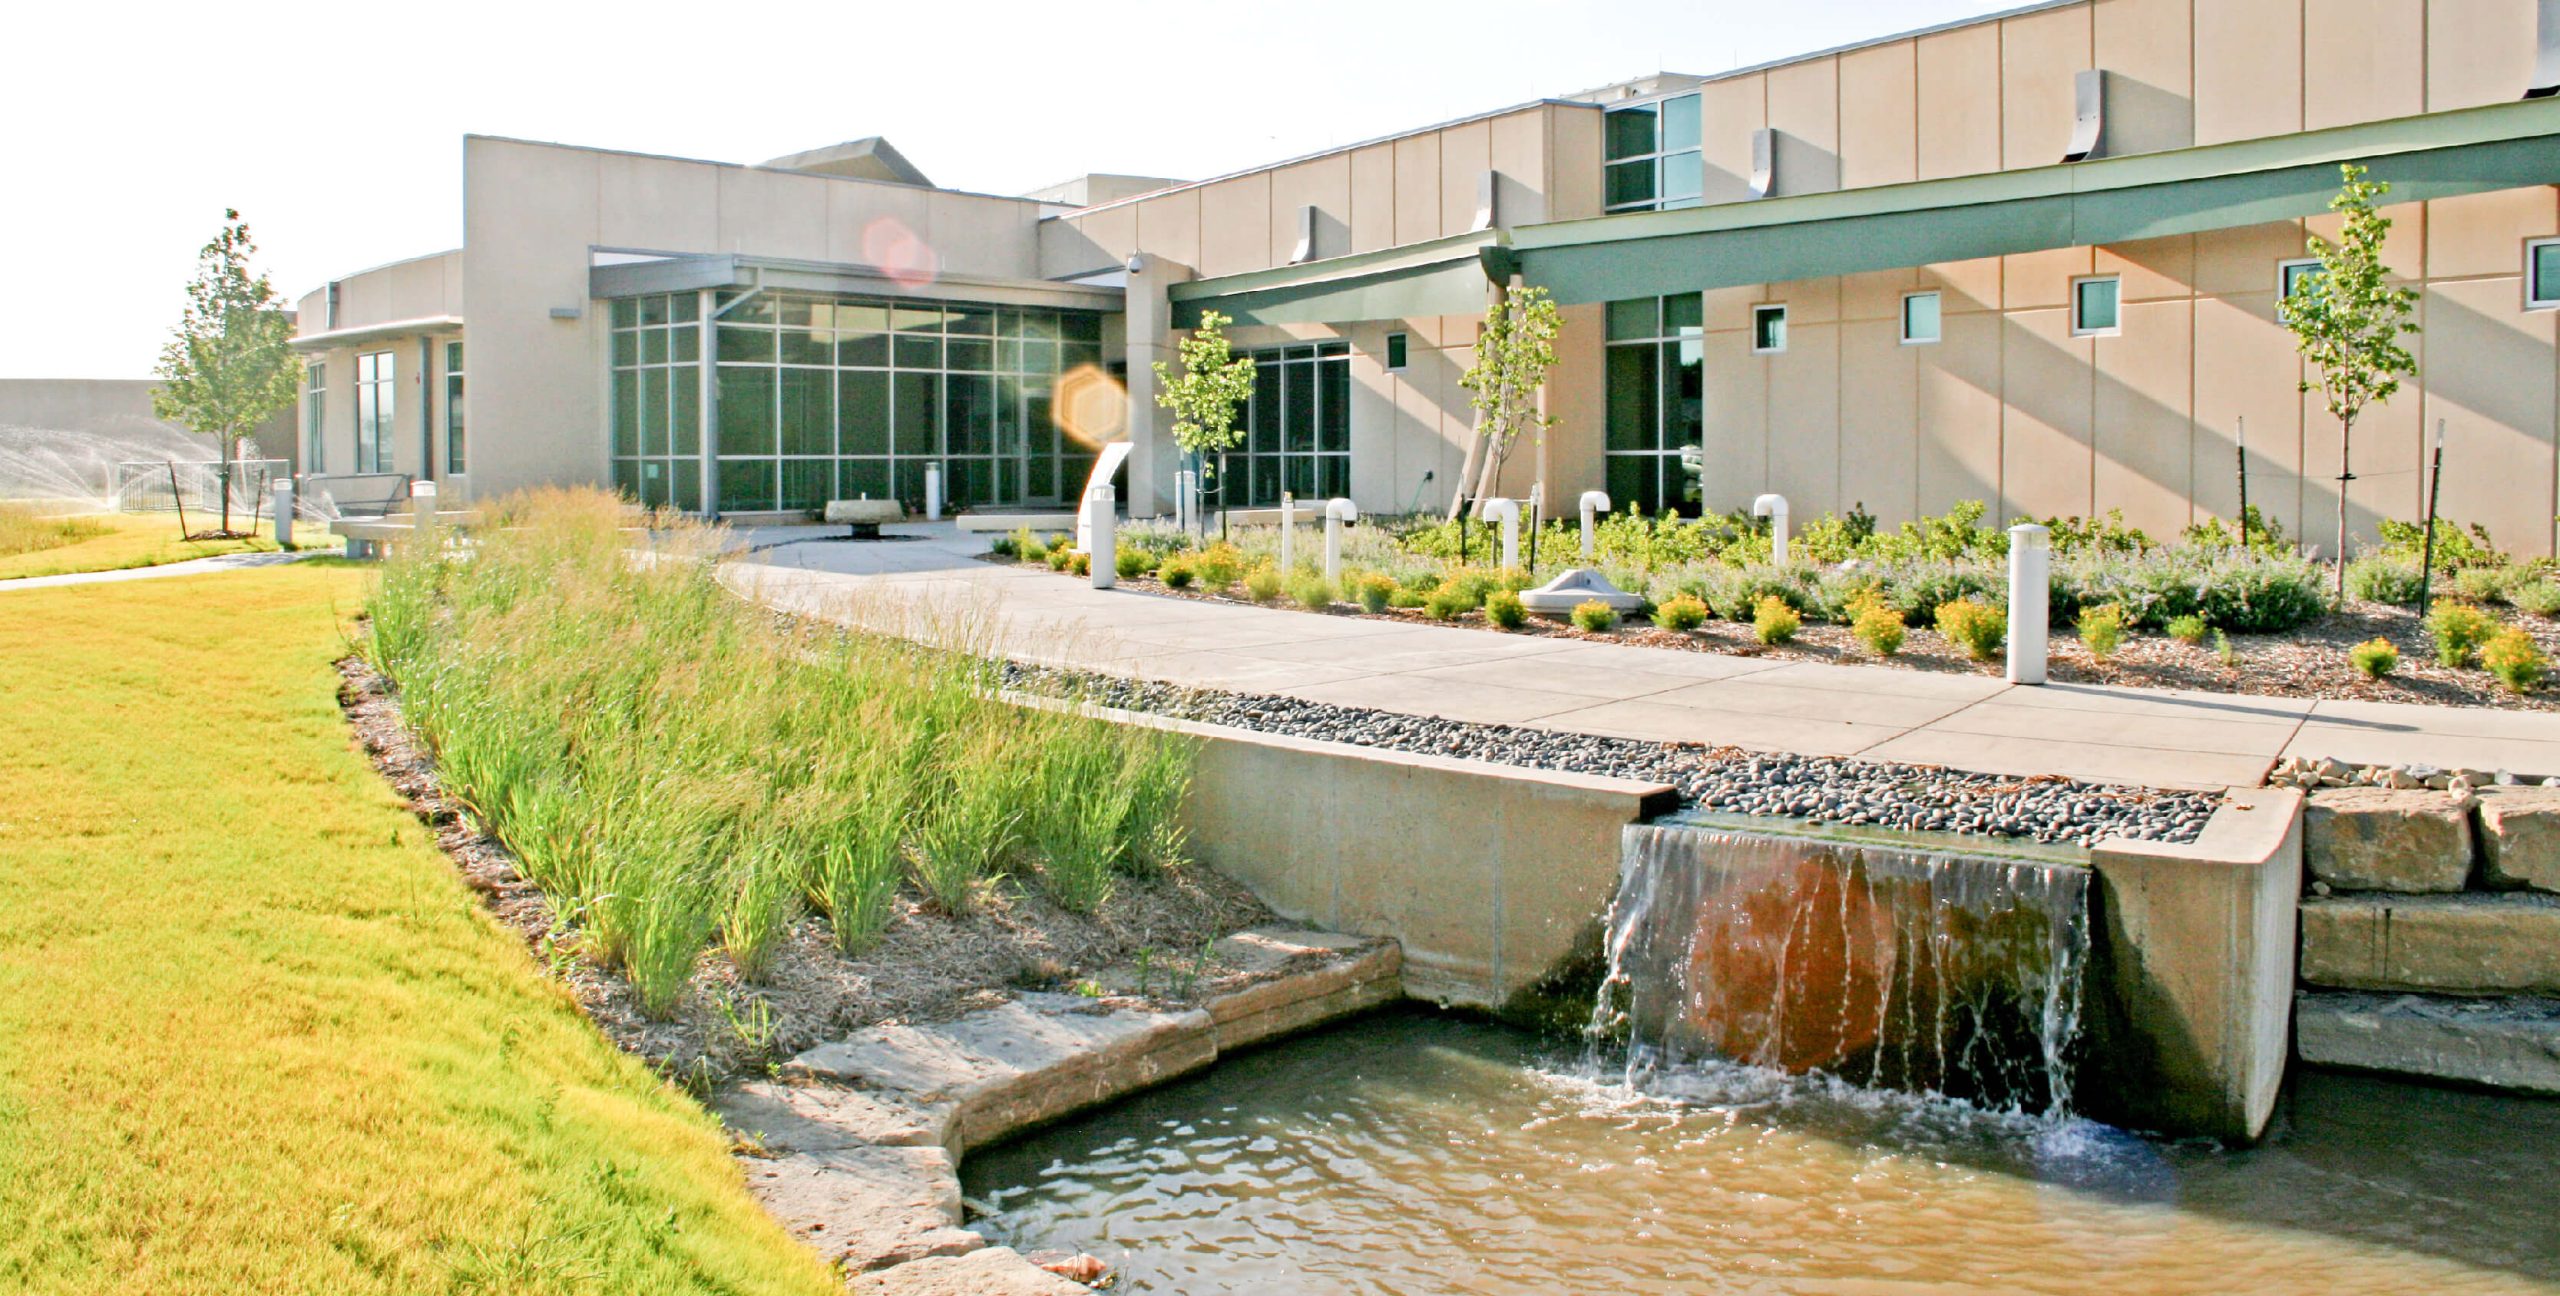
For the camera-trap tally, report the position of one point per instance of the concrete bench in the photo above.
(865, 516)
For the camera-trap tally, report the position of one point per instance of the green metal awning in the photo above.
(1442, 277)
(2104, 201)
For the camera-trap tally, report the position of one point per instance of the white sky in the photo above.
(343, 147)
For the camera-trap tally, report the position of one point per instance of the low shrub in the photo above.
(2458, 629)
(1594, 617)
(2381, 578)
(2102, 630)
(1006, 545)
(2539, 598)
(1028, 547)
(2513, 657)
(1130, 563)
(2374, 658)
(1176, 573)
(1312, 592)
(1375, 593)
(1879, 626)
(1080, 562)
(1920, 589)
(1219, 565)
(1504, 609)
(1839, 594)
(1978, 628)
(2487, 584)
(2189, 629)
(1262, 584)
(1469, 585)
(1738, 597)
(1446, 604)
(2455, 547)
(1405, 598)
(1058, 558)
(1773, 622)
(1681, 612)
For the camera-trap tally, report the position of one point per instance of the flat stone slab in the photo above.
(1331, 976)
(784, 1117)
(2480, 943)
(993, 1271)
(2511, 1044)
(2376, 839)
(867, 1207)
(865, 512)
(2520, 837)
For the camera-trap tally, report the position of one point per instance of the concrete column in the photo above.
(1153, 458)
(1103, 548)
(2030, 601)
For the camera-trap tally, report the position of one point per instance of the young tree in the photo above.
(1513, 353)
(2347, 321)
(226, 367)
(1205, 395)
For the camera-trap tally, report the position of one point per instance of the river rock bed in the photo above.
(1821, 789)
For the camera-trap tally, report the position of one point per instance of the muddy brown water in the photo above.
(1413, 1152)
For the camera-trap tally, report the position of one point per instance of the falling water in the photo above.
(80, 466)
(1921, 964)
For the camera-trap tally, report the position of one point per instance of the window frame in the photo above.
(1934, 294)
(1768, 310)
(315, 417)
(2285, 272)
(2549, 298)
(1658, 157)
(376, 409)
(2115, 328)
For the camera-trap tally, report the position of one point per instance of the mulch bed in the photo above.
(2308, 662)
(924, 967)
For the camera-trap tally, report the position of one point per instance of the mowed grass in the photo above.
(123, 540)
(255, 1035)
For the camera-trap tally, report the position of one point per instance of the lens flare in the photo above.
(1092, 407)
(899, 253)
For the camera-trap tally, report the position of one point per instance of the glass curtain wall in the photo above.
(1297, 429)
(824, 397)
(1653, 157)
(1657, 400)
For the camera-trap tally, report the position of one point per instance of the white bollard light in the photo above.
(1336, 512)
(1182, 500)
(280, 505)
(1774, 508)
(1594, 503)
(1507, 512)
(2030, 601)
(1288, 528)
(1103, 550)
(933, 492)
(422, 510)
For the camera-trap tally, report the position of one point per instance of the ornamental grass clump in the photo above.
(1879, 626)
(2537, 598)
(2487, 584)
(2382, 578)
(2189, 629)
(1311, 591)
(1218, 566)
(2102, 631)
(1978, 628)
(1176, 573)
(1773, 622)
(1262, 584)
(1591, 616)
(684, 775)
(1681, 613)
(2515, 659)
(2458, 630)
(1447, 604)
(1374, 592)
(1131, 563)
(2374, 658)
(1504, 609)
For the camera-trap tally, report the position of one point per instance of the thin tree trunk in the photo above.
(2346, 434)
(1467, 474)
(226, 483)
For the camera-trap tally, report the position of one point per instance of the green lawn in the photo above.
(255, 1035)
(141, 540)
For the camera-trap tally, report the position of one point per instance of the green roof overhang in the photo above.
(1442, 277)
(2102, 201)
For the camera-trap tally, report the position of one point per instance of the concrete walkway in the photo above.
(191, 567)
(2154, 737)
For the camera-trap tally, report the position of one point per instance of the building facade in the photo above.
(2033, 259)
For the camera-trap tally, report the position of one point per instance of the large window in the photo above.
(456, 452)
(375, 392)
(315, 408)
(1297, 429)
(1653, 158)
(825, 398)
(1656, 399)
(657, 399)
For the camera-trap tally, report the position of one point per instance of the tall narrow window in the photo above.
(315, 410)
(1768, 329)
(1656, 399)
(2542, 274)
(1919, 317)
(2093, 306)
(456, 457)
(374, 401)
(1396, 351)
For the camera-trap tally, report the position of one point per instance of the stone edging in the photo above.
(855, 1145)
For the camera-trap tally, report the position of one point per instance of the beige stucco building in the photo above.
(2033, 259)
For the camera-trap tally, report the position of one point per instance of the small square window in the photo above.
(2093, 306)
(1919, 317)
(2542, 274)
(2290, 275)
(1396, 350)
(1768, 329)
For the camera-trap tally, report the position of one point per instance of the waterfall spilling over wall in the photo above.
(1917, 966)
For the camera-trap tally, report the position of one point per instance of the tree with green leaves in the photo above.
(1204, 397)
(227, 367)
(2347, 320)
(1514, 351)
